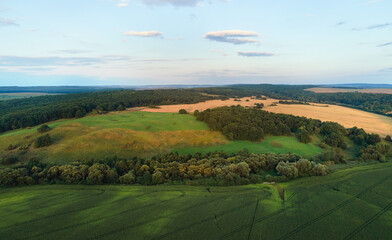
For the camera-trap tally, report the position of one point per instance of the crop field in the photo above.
(354, 203)
(348, 117)
(336, 90)
(10, 96)
(275, 144)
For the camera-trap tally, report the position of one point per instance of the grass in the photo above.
(279, 144)
(143, 134)
(349, 204)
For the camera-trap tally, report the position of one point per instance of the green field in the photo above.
(143, 134)
(10, 96)
(354, 203)
(279, 144)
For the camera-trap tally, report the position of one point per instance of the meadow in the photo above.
(136, 133)
(354, 203)
(272, 144)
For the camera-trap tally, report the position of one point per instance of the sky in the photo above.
(194, 42)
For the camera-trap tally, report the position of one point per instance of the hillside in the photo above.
(135, 133)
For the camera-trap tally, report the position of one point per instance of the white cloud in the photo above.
(123, 3)
(256, 54)
(232, 36)
(143, 33)
(8, 22)
(181, 3)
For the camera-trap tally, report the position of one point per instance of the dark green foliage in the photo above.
(43, 141)
(238, 123)
(43, 129)
(303, 136)
(259, 105)
(215, 167)
(182, 111)
(388, 138)
(9, 160)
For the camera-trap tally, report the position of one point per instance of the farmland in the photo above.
(370, 122)
(9, 96)
(354, 203)
(343, 90)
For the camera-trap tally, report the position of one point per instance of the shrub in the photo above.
(43, 129)
(182, 111)
(43, 141)
(320, 170)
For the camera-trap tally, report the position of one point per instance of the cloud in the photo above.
(220, 52)
(179, 3)
(341, 23)
(385, 44)
(17, 61)
(372, 27)
(143, 34)
(123, 3)
(255, 54)
(232, 36)
(7, 22)
(71, 51)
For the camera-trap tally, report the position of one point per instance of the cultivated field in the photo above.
(9, 96)
(350, 204)
(336, 90)
(130, 134)
(348, 117)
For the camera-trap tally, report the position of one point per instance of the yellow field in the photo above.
(348, 117)
(336, 90)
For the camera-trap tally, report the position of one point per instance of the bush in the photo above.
(320, 170)
(43, 141)
(182, 111)
(43, 129)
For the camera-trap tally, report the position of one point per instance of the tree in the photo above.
(388, 138)
(43, 141)
(182, 111)
(320, 170)
(43, 129)
(303, 136)
(287, 169)
(128, 178)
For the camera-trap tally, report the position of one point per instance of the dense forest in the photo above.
(377, 103)
(20, 113)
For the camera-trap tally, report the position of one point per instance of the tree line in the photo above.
(215, 168)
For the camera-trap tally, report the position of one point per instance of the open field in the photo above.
(278, 144)
(9, 96)
(348, 117)
(354, 203)
(337, 90)
(130, 134)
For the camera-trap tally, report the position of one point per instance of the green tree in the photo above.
(43, 141)
(43, 128)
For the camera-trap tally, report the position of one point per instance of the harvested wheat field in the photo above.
(348, 117)
(338, 90)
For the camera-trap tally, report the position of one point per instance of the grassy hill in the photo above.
(354, 203)
(130, 134)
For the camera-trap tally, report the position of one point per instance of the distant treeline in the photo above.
(239, 123)
(215, 168)
(377, 103)
(29, 112)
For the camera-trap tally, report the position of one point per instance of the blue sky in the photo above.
(143, 42)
